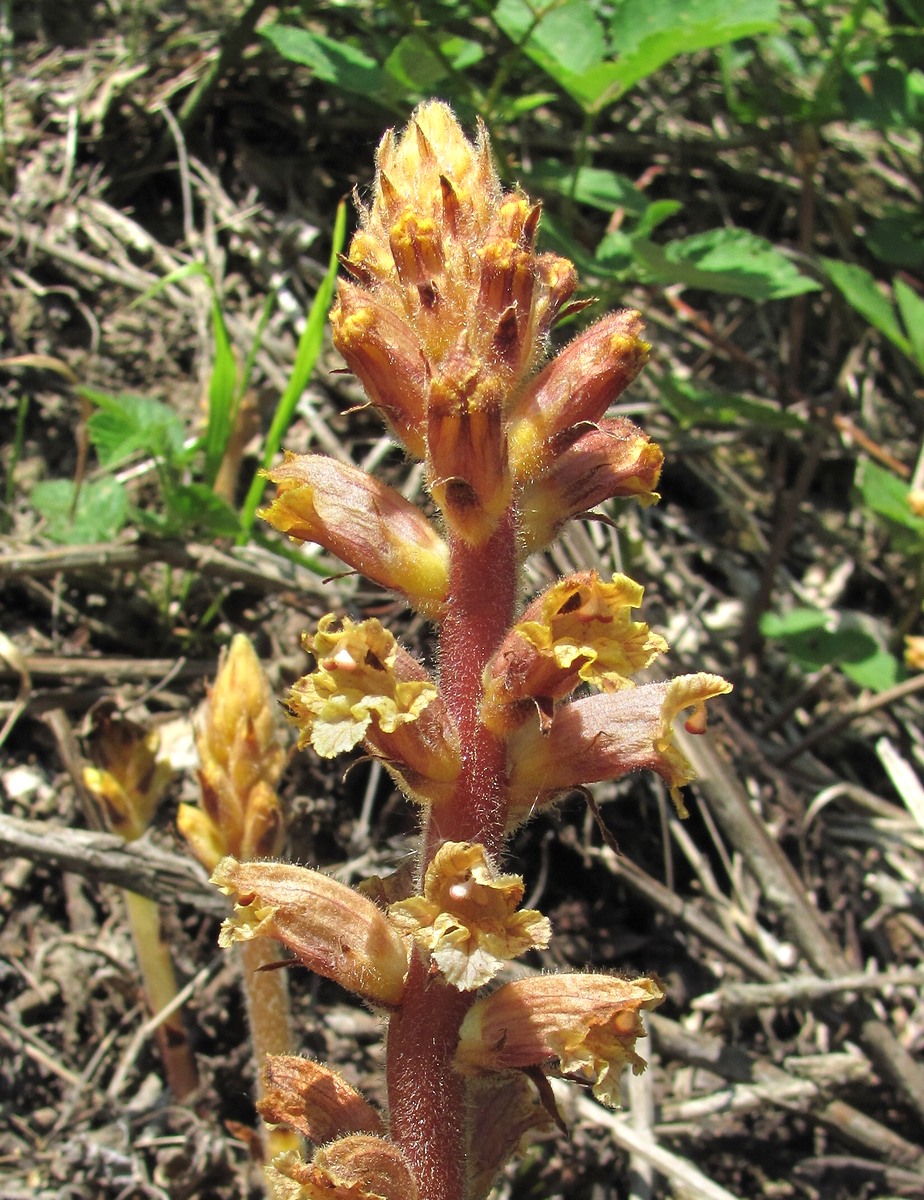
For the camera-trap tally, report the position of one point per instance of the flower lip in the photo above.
(588, 1024)
(467, 919)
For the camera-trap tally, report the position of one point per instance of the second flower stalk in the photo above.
(446, 322)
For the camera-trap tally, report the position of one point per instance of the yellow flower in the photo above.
(588, 1023)
(369, 689)
(241, 760)
(367, 524)
(329, 927)
(358, 1167)
(467, 919)
(578, 631)
(606, 737)
(128, 779)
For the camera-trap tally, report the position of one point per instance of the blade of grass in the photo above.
(223, 395)
(309, 347)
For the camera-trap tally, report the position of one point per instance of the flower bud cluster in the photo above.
(445, 320)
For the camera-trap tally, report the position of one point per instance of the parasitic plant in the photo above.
(127, 781)
(445, 319)
(241, 759)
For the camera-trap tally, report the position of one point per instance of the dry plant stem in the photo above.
(783, 890)
(267, 993)
(106, 858)
(160, 988)
(426, 1096)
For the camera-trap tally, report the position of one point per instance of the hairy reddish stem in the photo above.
(479, 610)
(427, 1098)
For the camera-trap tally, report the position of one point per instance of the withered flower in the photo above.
(358, 1167)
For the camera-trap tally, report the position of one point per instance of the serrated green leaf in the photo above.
(731, 261)
(98, 516)
(126, 425)
(860, 290)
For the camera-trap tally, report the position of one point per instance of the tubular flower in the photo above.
(314, 1100)
(606, 737)
(504, 1108)
(589, 1023)
(368, 689)
(591, 464)
(329, 927)
(578, 631)
(359, 1167)
(467, 919)
(450, 309)
(577, 386)
(241, 759)
(367, 524)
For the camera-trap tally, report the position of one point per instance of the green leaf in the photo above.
(562, 38)
(597, 188)
(885, 494)
(860, 290)
(126, 425)
(814, 638)
(417, 66)
(731, 261)
(98, 516)
(898, 238)
(222, 395)
(649, 33)
(335, 62)
(911, 307)
(695, 406)
(195, 508)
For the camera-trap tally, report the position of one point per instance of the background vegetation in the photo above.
(747, 175)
